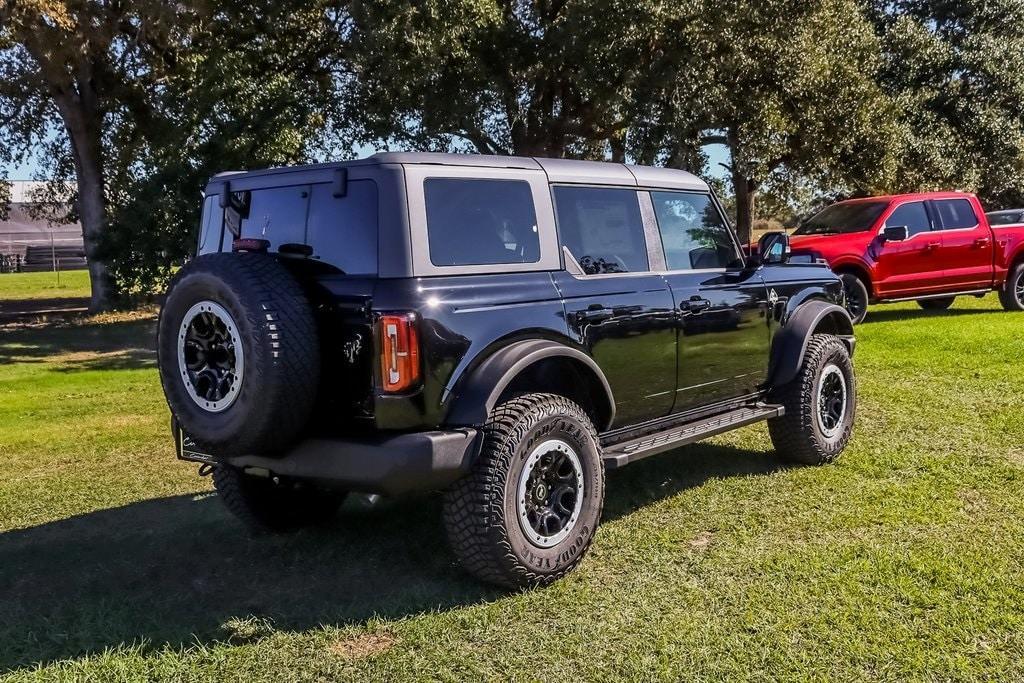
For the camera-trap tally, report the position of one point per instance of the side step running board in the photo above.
(622, 454)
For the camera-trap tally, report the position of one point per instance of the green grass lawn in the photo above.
(901, 561)
(67, 284)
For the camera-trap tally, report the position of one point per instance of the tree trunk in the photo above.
(744, 187)
(746, 191)
(83, 122)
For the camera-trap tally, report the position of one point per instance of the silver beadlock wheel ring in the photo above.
(211, 361)
(831, 400)
(550, 493)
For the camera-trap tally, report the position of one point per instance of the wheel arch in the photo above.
(858, 269)
(533, 365)
(789, 346)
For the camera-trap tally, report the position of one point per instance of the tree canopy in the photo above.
(141, 102)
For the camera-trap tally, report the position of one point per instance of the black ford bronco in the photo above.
(502, 328)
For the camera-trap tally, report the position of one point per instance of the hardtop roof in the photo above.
(557, 170)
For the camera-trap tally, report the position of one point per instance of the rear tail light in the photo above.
(399, 352)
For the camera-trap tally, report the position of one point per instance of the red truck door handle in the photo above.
(932, 246)
(981, 242)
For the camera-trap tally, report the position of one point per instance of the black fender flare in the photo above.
(478, 394)
(790, 343)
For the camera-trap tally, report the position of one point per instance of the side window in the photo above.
(480, 222)
(693, 232)
(278, 215)
(602, 228)
(955, 214)
(343, 230)
(913, 215)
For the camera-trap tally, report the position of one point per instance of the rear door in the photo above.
(721, 304)
(966, 254)
(616, 307)
(913, 265)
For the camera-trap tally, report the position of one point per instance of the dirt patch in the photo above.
(972, 501)
(363, 645)
(702, 540)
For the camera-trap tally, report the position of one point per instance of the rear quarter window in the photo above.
(480, 222)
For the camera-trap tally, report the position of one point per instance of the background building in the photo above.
(30, 242)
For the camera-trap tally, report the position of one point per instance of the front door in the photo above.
(615, 307)
(912, 265)
(721, 304)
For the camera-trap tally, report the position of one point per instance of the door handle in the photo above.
(694, 304)
(594, 314)
(981, 242)
(932, 246)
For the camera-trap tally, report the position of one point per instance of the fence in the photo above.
(37, 251)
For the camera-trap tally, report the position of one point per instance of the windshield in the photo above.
(842, 218)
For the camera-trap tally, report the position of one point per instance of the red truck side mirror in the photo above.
(895, 233)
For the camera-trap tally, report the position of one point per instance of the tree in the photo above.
(785, 84)
(792, 90)
(957, 71)
(548, 78)
(132, 90)
(5, 199)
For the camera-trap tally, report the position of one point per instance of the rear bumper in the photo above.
(388, 463)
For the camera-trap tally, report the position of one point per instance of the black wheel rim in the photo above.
(210, 356)
(831, 400)
(550, 493)
(855, 303)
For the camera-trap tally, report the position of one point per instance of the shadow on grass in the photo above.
(178, 570)
(12, 310)
(122, 345)
(882, 314)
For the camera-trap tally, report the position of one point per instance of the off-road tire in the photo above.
(1008, 293)
(278, 335)
(936, 304)
(857, 297)
(798, 435)
(268, 507)
(480, 510)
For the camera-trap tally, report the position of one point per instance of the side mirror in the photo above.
(895, 233)
(773, 247)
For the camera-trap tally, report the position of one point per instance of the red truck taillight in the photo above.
(399, 352)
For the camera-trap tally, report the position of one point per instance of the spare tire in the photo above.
(238, 354)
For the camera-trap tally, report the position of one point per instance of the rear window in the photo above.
(955, 214)
(278, 215)
(1006, 218)
(341, 230)
(480, 222)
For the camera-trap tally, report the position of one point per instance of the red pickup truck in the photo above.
(929, 247)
